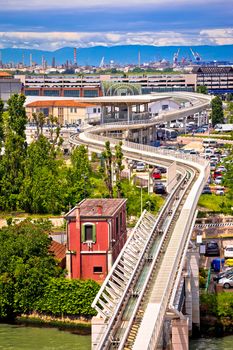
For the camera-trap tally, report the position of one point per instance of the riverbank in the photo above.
(79, 325)
(216, 314)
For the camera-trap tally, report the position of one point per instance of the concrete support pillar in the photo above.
(150, 184)
(140, 132)
(185, 125)
(188, 301)
(194, 258)
(180, 334)
(171, 177)
(98, 327)
(129, 114)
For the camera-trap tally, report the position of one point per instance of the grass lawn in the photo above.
(217, 204)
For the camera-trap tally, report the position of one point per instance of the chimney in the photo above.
(78, 217)
(99, 209)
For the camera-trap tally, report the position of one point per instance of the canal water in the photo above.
(225, 343)
(16, 337)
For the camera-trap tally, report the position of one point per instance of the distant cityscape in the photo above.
(114, 59)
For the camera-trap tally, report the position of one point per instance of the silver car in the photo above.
(226, 282)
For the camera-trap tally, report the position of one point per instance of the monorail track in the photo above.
(135, 295)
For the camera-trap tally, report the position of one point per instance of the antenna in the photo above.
(30, 59)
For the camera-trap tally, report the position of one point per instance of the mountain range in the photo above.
(124, 54)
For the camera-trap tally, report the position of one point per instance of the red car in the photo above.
(217, 173)
(156, 174)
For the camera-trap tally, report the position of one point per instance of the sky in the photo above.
(53, 24)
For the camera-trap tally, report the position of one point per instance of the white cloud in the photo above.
(56, 40)
(55, 4)
(218, 36)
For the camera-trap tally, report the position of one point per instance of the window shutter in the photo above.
(83, 233)
(94, 233)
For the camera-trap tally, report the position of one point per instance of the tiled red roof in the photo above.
(59, 103)
(98, 207)
(5, 75)
(58, 250)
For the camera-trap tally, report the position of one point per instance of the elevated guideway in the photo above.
(140, 288)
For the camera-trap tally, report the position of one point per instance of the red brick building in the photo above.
(96, 233)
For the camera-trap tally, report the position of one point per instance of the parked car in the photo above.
(228, 251)
(226, 282)
(206, 190)
(159, 188)
(212, 249)
(214, 159)
(221, 168)
(220, 192)
(161, 169)
(140, 166)
(223, 274)
(218, 180)
(216, 174)
(212, 166)
(156, 174)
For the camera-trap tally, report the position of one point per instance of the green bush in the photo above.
(64, 297)
(219, 305)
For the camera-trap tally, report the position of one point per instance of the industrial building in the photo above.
(218, 80)
(8, 86)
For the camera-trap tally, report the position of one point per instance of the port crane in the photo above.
(175, 57)
(196, 55)
(102, 63)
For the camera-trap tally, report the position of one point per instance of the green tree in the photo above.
(40, 120)
(229, 97)
(217, 115)
(107, 169)
(229, 112)
(79, 175)
(25, 267)
(1, 123)
(12, 162)
(202, 89)
(118, 168)
(44, 185)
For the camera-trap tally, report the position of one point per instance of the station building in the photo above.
(67, 111)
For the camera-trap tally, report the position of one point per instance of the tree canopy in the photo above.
(217, 115)
(25, 266)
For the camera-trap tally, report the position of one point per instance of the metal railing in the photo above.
(115, 290)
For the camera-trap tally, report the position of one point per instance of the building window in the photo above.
(97, 269)
(74, 93)
(94, 110)
(88, 232)
(90, 93)
(32, 92)
(51, 93)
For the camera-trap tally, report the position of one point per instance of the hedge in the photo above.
(64, 297)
